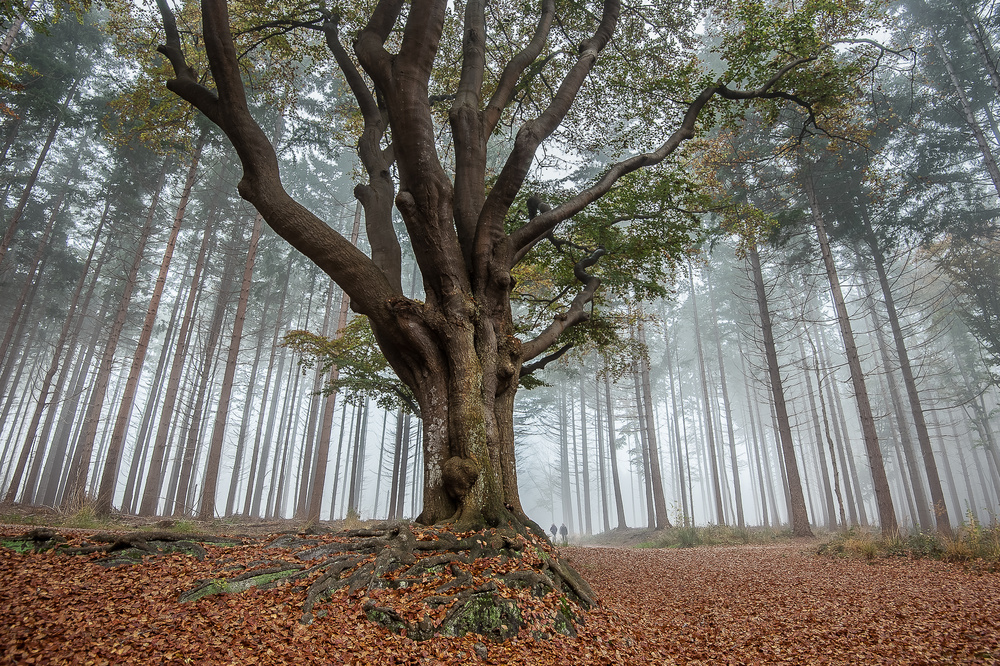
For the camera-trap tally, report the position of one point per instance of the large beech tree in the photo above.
(434, 82)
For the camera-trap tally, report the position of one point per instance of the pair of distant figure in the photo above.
(562, 531)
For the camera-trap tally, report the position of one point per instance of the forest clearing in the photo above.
(471, 275)
(747, 604)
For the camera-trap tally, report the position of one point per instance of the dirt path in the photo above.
(782, 604)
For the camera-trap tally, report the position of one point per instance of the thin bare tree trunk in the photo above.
(602, 471)
(798, 517)
(647, 473)
(109, 477)
(943, 520)
(921, 505)
(54, 366)
(404, 460)
(710, 445)
(251, 395)
(612, 450)
(141, 450)
(80, 469)
(989, 159)
(662, 519)
(182, 504)
(13, 30)
(728, 410)
(252, 501)
(883, 497)
(151, 493)
(52, 478)
(207, 510)
(588, 525)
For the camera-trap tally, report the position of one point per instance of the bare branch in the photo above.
(261, 182)
(545, 360)
(524, 238)
(185, 84)
(377, 195)
(574, 314)
(515, 68)
(532, 133)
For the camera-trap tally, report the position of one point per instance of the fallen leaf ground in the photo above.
(712, 605)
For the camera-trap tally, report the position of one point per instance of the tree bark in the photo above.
(613, 452)
(710, 444)
(727, 409)
(989, 159)
(43, 393)
(15, 218)
(659, 501)
(457, 350)
(151, 493)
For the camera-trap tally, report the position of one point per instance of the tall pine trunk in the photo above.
(798, 517)
(207, 509)
(80, 468)
(883, 497)
(109, 477)
(943, 521)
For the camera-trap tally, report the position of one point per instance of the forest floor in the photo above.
(755, 604)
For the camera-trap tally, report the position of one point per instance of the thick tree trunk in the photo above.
(799, 518)
(883, 497)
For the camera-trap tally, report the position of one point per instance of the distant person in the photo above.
(565, 534)
(553, 529)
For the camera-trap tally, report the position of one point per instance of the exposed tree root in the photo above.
(129, 548)
(418, 581)
(426, 581)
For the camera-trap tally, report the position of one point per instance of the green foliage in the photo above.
(354, 363)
